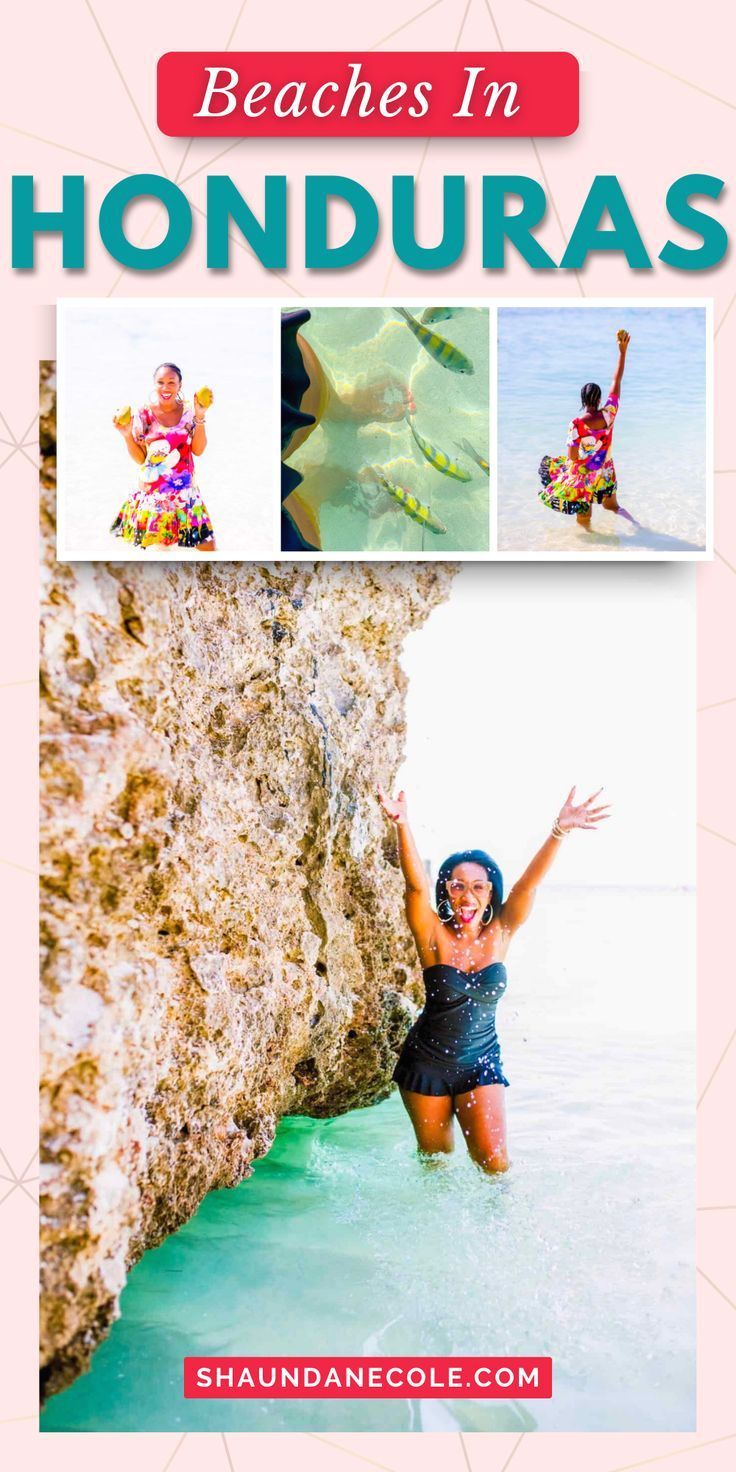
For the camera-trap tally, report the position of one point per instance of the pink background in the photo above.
(657, 102)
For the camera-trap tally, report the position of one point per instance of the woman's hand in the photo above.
(582, 815)
(393, 807)
(126, 430)
(199, 411)
(624, 338)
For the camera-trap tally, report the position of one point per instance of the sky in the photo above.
(591, 682)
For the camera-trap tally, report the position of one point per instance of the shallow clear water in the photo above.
(343, 1243)
(360, 346)
(544, 357)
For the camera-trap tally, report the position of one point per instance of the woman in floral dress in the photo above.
(572, 482)
(166, 509)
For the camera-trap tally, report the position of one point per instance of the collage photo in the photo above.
(471, 431)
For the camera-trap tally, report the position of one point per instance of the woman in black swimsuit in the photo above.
(450, 1063)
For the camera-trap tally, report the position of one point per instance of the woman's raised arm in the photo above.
(422, 918)
(624, 338)
(518, 906)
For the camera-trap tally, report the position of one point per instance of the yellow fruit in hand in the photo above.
(124, 415)
(204, 396)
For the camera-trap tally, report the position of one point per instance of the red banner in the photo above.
(324, 1378)
(380, 94)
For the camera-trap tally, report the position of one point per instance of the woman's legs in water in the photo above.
(431, 1117)
(610, 503)
(323, 483)
(386, 399)
(482, 1117)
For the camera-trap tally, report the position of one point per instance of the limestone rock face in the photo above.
(223, 931)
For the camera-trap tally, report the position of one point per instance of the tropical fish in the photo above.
(468, 450)
(204, 396)
(410, 505)
(438, 458)
(438, 314)
(445, 353)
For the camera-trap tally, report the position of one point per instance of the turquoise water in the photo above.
(361, 346)
(342, 1242)
(544, 358)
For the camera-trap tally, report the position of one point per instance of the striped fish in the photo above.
(445, 353)
(468, 450)
(410, 505)
(438, 458)
(438, 314)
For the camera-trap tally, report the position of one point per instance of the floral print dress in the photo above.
(571, 486)
(166, 509)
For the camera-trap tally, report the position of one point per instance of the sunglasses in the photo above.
(456, 887)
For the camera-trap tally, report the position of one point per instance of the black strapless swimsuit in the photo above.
(452, 1046)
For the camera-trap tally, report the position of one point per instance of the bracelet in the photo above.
(200, 421)
(557, 831)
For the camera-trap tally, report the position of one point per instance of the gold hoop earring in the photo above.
(489, 912)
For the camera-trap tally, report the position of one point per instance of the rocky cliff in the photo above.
(223, 932)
